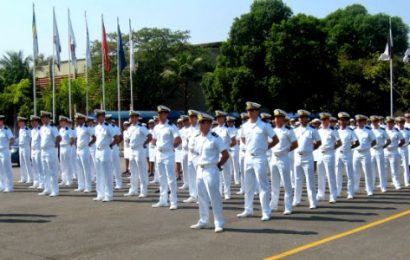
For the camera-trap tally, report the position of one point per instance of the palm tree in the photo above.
(183, 70)
(14, 67)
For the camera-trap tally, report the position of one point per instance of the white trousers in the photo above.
(192, 178)
(404, 154)
(208, 192)
(93, 165)
(344, 163)
(38, 175)
(393, 166)
(280, 172)
(225, 185)
(242, 170)
(104, 173)
(116, 166)
(326, 170)
(49, 162)
(184, 166)
(304, 169)
(139, 172)
(25, 164)
(6, 171)
(234, 155)
(167, 180)
(362, 163)
(84, 164)
(66, 164)
(256, 175)
(379, 168)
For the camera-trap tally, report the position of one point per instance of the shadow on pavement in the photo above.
(20, 218)
(270, 231)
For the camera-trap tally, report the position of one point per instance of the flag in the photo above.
(406, 57)
(87, 47)
(387, 54)
(71, 40)
(35, 39)
(56, 41)
(105, 49)
(132, 62)
(120, 50)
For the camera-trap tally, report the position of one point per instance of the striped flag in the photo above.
(131, 43)
(56, 41)
(105, 49)
(35, 38)
(87, 47)
(120, 49)
(71, 40)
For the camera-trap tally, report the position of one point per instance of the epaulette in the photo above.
(105, 123)
(26, 128)
(5, 128)
(66, 128)
(368, 127)
(288, 127)
(112, 124)
(311, 126)
(214, 134)
(331, 127)
(85, 125)
(397, 130)
(406, 128)
(349, 128)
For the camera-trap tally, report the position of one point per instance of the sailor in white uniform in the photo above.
(67, 141)
(116, 165)
(6, 172)
(38, 175)
(404, 150)
(24, 151)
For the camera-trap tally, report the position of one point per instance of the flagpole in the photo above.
(69, 68)
(86, 66)
(103, 65)
(118, 82)
(34, 64)
(131, 68)
(54, 83)
(391, 67)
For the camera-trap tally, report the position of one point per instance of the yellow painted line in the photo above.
(338, 236)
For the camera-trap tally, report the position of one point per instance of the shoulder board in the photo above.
(66, 128)
(349, 128)
(85, 125)
(331, 127)
(72, 128)
(311, 127)
(6, 128)
(406, 128)
(368, 127)
(396, 129)
(26, 128)
(288, 127)
(105, 123)
(214, 134)
(113, 125)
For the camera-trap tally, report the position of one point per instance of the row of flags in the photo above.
(388, 54)
(73, 45)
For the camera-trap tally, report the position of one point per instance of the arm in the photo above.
(355, 144)
(177, 141)
(224, 158)
(317, 144)
(233, 142)
(93, 139)
(402, 142)
(338, 144)
(388, 142)
(149, 138)
(293, 146)
(275, 140)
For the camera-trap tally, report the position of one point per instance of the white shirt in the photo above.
(137, 136)
(5, 136)
(66, 135)
(84, 134)
(223, 132)
(286, 137)
(48, 136)
(395, 137)
(366, 137)
(257, 137)
(406, 136)
(233, 132)
(184, 132)
(209, 148)
(329, 136)
(381, 136)
(165, 134)
(35, 138)
(104, 134)
(116, 130)
(24, 136)
(306, 136)
(348, 138)
(193, 133)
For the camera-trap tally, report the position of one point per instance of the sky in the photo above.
(207, 20)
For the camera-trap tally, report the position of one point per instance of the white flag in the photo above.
(71, 40)
(87, 47)
(406, 57)
(132, 61)
(56, 40)
(385, 56)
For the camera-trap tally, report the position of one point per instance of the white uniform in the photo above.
(327, 163)
(362, 159)
(234, 155)
(38, 174)
(378, 158)
(49, 159)
(208, 149)
(256, 166)
(116, 164)
(242, 152)
(306, 137)
(127, 149)
(84, 161)
(404, 154)
(66, 155)
(138, 160)
(344, 161)
(392, 156)
(165, 135)
(184, 132)
(6, 172)
(226, 135)
(24, 155)
(280, 167)
(93, 160)
(192, 161)
(104, 134)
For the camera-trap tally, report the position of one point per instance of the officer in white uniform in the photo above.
(67, 141)
(229, 139)
(280, 166)
(139, 137)
(116, 165)
(85, 139)
(377, 152)
(255, 134)
(90, 124)
(242, 152)
(24, 151)
(106, 138)
(344, 155)
(6, 172)
(193, 132)
(234, 150)
(404, 150)
(308, 141)
(151, 154)
(212, 155)
(73, 148)
(127, 149)
(327, 161)
(38, 175)
(50, 139)
(184, 132)
(166, 138)
(361, 155)
(392, 155)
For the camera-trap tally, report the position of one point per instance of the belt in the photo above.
(163, 150)
(280, 153)
(208, 165)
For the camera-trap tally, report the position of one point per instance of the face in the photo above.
(1, 122)
(230, 123)
(390, 124)
(80, 121)
(163, 116)
(361, 123)
(343, 122)
(21, 124)
(220, 120)
(34, 123)
(325, 122)
(193, 120)
(101, 118)
(179, 125)
(205, 126)
(134, 119)
(401, 124)
(63, 123)
(253, 114)
(304, 120)
(279, 121)
(375, 123)
(45, 120)
(151, 125)
(186, 123)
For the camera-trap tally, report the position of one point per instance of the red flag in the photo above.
(105, 49)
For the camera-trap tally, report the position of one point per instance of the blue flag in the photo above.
(120, 50)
